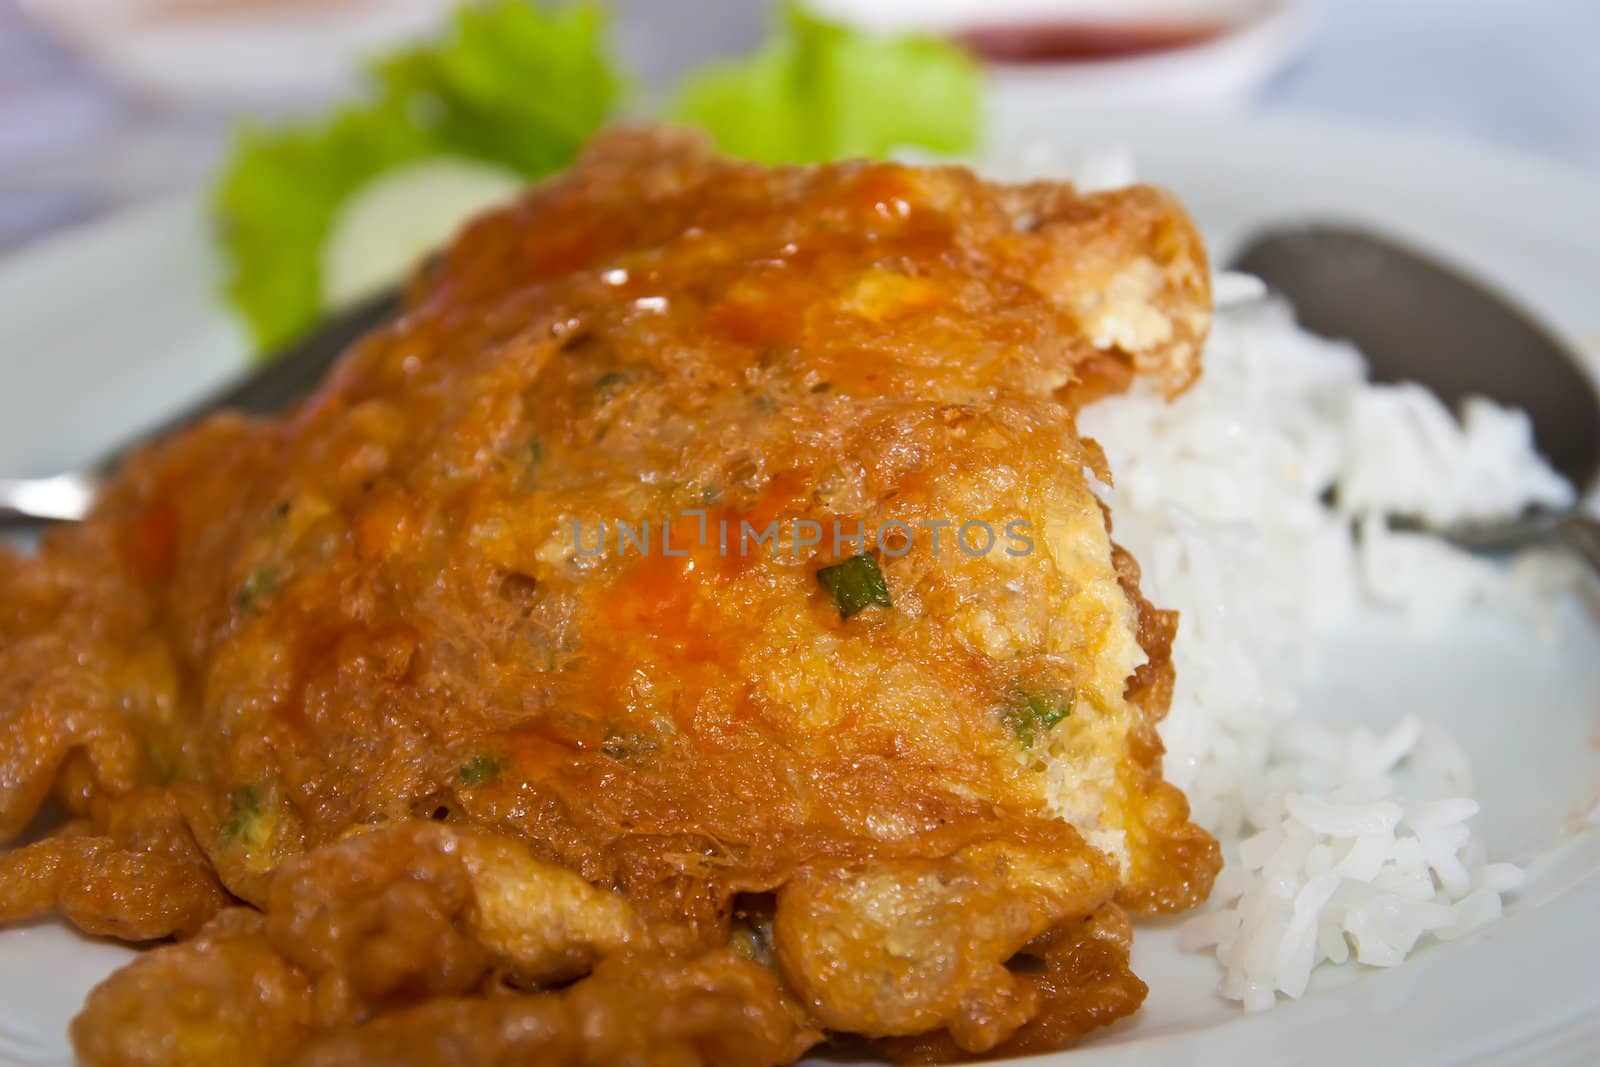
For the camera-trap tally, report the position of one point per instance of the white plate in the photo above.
(102, 330)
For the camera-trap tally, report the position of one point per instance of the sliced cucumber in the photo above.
(388, 226)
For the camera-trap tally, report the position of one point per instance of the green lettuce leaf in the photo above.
(819, 91)
(513, 84)
(276, 202)
(523, 86)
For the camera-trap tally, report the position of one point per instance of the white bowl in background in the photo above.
(1235, 46)
(258, 55)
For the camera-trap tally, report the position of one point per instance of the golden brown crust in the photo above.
(1079, 975)
(378, 690)
(224, 997)
(131, 871)
(901, 947)
(716, 1010)
(71, 666)
(1174, 861)
(379, 919)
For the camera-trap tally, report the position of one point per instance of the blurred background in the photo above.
(108, 103)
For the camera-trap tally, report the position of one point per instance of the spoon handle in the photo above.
(1581, 534)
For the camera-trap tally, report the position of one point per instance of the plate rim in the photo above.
(1374, 996)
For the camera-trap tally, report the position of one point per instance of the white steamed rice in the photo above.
(1343, 846)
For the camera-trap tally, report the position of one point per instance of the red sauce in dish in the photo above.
(1078, 42)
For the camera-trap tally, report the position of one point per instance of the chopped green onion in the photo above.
(855, 583)
(620, 746)
(1031, 714)
(262, 582)
(481, 770)
(242, 823)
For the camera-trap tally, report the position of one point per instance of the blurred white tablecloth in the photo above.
(1521, 73)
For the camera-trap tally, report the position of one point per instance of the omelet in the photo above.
(688, 634)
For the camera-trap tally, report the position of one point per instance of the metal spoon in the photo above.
(271, 389)
(1418, 320)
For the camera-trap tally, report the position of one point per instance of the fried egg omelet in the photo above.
(688, 635)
